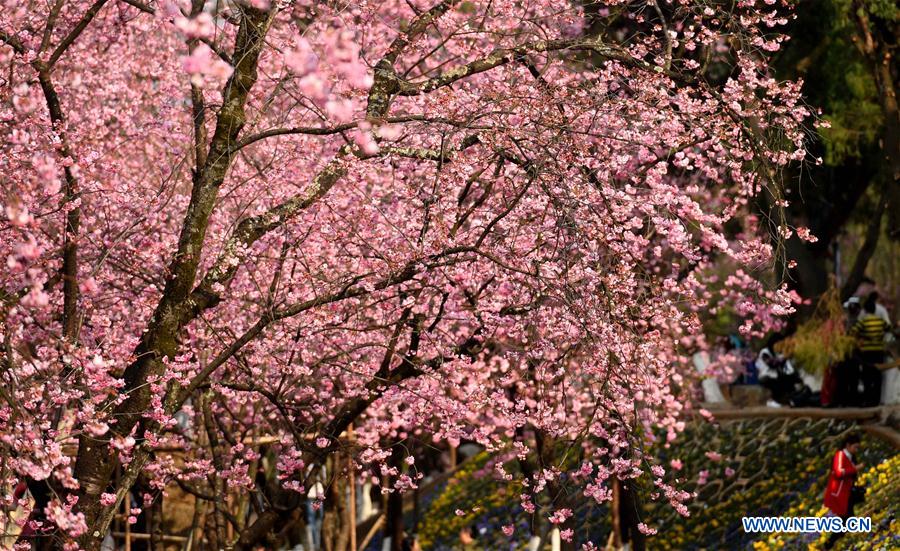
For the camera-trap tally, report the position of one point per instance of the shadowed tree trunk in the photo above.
(877, 41)
(96, 460)
(626, 516)
(335, 527)
(873, 232)
(393, 525)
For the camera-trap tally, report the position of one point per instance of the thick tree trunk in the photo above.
(393, 525)
(626, 516)
(96, 460)
(873, 232)
(335, 530)
(257, 532)
(877, 45)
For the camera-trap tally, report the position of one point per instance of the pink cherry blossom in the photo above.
(205, 68)
(201, 26)
(560, 516)
(301, 59)
(702, 477)
(66, 519)
(346, 229)
(806, 235)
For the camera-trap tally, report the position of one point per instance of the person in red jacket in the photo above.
(839, 492)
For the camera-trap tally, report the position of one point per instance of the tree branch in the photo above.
(140, 5)
(350, 290)
(73, 216)
(247, 232)
(76, 32)
(873, 231)
(94, 464)
(503, 56)
(331, 130)
(14, 42)
(386, 83)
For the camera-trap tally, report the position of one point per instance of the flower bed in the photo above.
(739, 468)
(772, 465)
(471, 498)
(882, 482)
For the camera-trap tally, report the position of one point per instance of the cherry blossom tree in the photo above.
(238, 228)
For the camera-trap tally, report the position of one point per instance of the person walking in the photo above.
(870, 331)
(839, 493)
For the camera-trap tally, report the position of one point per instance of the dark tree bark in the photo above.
(877, 40)
(626, 516)
(873, 232)
(825, 203)
(335, 530)
(393, 520)
(96, 460)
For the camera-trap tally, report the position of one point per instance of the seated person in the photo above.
(779, 376)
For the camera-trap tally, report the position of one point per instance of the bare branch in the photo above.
(14, 42)
(307, 130)
(495, 59)
(141, 6)
(330, 130)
